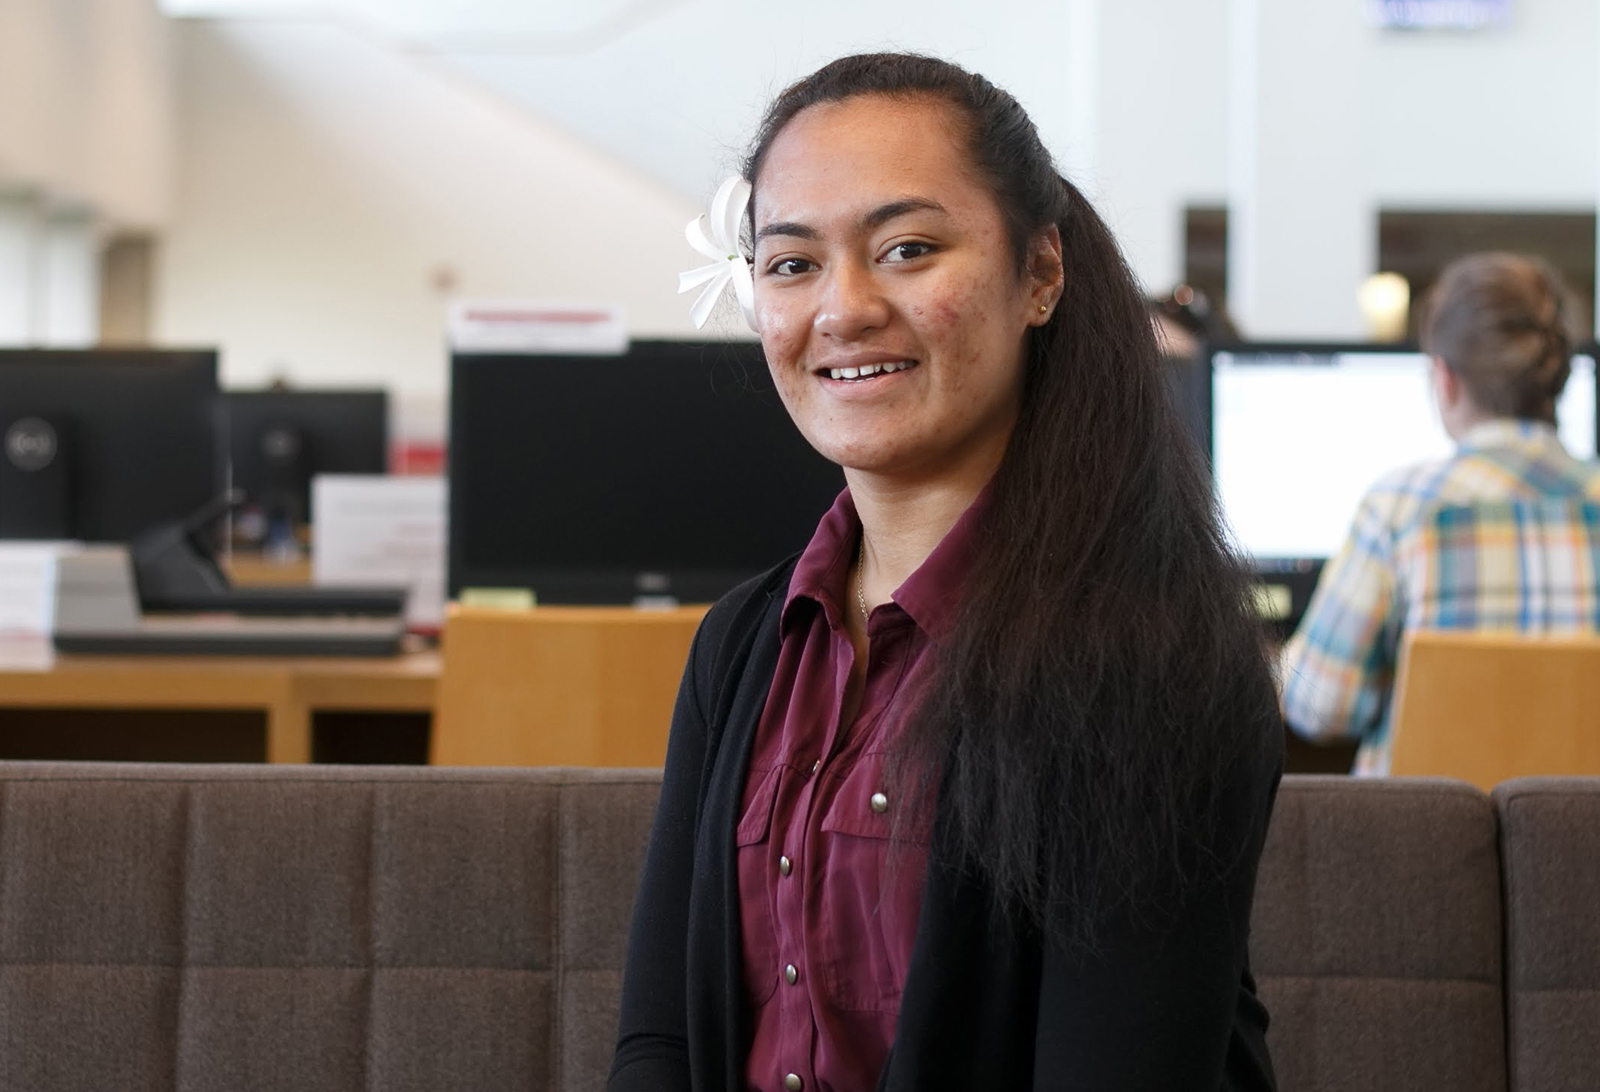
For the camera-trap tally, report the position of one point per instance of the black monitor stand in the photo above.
(284, 480)
(177, 572)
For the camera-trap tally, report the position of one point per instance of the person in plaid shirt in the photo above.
(1503, 535)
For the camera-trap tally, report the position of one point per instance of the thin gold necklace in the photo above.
(861, 581)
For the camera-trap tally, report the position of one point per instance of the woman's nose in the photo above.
(852, 304)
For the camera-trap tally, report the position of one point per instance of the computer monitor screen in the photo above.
(669, 470)
(280, 439)
(1299, 432)
(102, 444)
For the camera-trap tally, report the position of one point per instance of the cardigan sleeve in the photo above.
(652, 1043)
(1167, 1004)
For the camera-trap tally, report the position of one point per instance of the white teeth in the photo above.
(866, 371)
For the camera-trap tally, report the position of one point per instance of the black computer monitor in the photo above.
(1299, 431)
(280, 439)
(1189, 386)
(102, 444)
(669, 470)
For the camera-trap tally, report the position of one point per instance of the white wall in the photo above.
(68, 314)
(1302, 224)
(85, 105)
(327, 180)
(21, 229)
(85, 148)
(1500, 119)
(1152, 140)
(1334, 120)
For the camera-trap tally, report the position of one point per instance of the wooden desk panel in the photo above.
(404, 684)
(289, 690)
(560, 686)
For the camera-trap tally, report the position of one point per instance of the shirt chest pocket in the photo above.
(871, 895)
(753, 851)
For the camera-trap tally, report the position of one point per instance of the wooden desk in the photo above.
(289, 691)
(252, 570)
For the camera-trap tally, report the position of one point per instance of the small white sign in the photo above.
(487, 326)
(28, 585)
(373, 530)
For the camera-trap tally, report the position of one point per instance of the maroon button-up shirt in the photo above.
(828, 906)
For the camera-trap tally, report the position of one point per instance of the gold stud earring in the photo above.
(1043, 308)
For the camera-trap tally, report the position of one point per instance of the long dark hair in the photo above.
(1106, 682)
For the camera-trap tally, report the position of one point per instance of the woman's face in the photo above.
(888, 296)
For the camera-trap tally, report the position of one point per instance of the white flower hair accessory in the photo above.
(717, 237)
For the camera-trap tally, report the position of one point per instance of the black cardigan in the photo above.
(984, 1007)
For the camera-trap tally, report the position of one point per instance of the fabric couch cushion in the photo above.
(1376, 936)
(1550, 849)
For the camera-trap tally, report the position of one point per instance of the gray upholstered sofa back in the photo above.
(1550, 839)
(306, 929)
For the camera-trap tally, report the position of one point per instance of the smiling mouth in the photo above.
(869, 371)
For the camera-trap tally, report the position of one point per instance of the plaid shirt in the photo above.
(1504, 535)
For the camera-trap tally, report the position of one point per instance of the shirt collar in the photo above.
(930, 595)
(823, 571)
(1511, 432)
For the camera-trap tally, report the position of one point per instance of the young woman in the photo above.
(1502, 535)
(971, 794)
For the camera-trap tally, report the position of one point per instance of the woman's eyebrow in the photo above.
(789, 228)
(874, 219)
(884, 213)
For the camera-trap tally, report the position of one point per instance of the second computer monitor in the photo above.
(281, 439)
(670, 470)
(1300, 431)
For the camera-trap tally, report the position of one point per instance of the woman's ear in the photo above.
(1046, 274)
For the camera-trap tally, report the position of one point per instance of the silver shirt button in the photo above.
(879, 803)
(785, 865)
(793, 1083)
(790, 975)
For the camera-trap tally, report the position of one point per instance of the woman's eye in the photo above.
(790, 267)
(905, 252)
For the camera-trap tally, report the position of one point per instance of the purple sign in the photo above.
(1439, 14)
